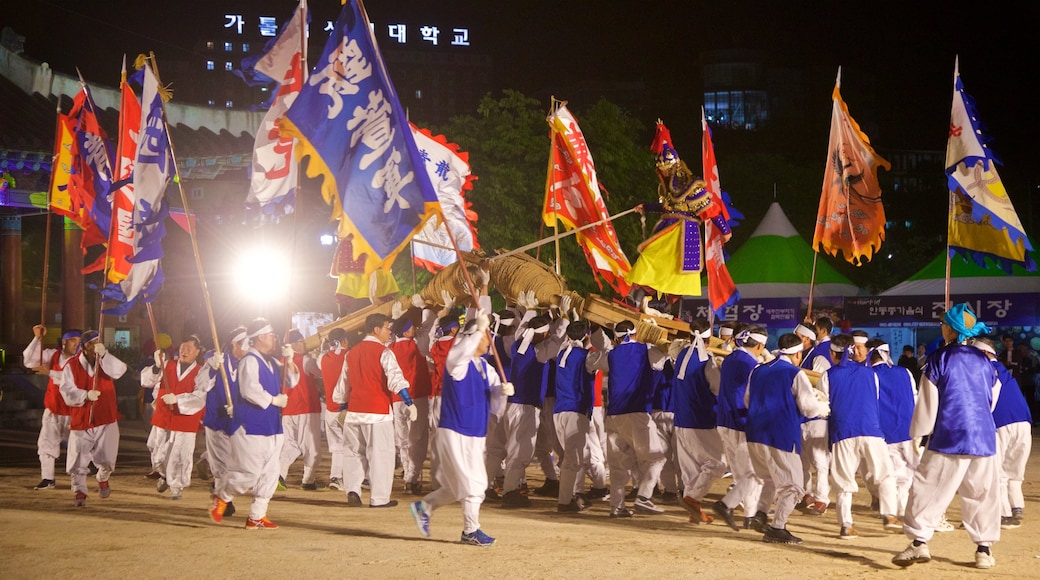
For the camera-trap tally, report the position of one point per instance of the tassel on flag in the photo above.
(983, 222)
(851, 217)
(722, 291)
(354, 132)
(450, 174)
(275, 171)
(153, 169)
(572, 196)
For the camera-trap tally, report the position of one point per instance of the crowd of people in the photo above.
(474, 398)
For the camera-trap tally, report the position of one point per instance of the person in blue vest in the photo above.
(1014, 437)
(219, 421)
(257, 444)
(663, 413)
(897, 396)
(778, 397)
(958, 390)
(816, 453)
(572, 411)
(698, 445)
(469, 385)
(503, 327)
(731, 414)
(854, 428)
(634, 449)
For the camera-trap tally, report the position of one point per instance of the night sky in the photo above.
(539, 44)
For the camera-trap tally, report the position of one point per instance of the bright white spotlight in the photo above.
(262, 274)
(327, 240)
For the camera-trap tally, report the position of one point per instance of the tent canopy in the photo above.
(967, 277)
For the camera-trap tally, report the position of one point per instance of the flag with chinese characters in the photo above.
(354, 134)
(450, 174)
(572, 196)
(152, 171)
(275, 171)
(851, 217)
(121, 237)
(722, 291)
(983, 222)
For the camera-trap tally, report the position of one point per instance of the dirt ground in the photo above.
(138, 533)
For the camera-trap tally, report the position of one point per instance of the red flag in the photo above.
(722, 291)
(851, 218)
(121, 238)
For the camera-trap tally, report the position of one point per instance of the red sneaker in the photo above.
(260, 524)
(81, 499)
(216, 510)
(105, 489)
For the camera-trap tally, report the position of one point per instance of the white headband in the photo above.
(725, 331)
(241, 340)
(759, 338)
(860, 339)
(267, 328)
(792, 349)
(836, 348)
(803, 330)
(704, 335)
(883, 347)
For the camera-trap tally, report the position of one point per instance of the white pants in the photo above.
(157, 443)
(547, 448)
(371, 444)
(595, 465)
(219, 456)
(816, 460)
(848, 455)
(521, 433)
(179, 451)
(334, 439)
(939, 477)
(701, 461)
(98, 444)
(670, 473)
(462, 476)
(904, 463)
(781, 473)
(53, 430)
(302, 437)
(1014, 442)
(633, 447)
(435, 421)
(418, 441)
(254, 467)
(402, 441)
(572, 430)
(747, 486)
(495, 442)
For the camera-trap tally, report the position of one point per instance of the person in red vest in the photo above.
(88, 388)
(301, 417)
(370, 375)
(176, 419)
(331, 364)
(54, 427)
(413, 437)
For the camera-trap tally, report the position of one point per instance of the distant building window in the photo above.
(228, 104)
(228, 66)
(418, 93)
(209, 65)
(211, 102)
(209, 45)
(228, 46)
(245, 47)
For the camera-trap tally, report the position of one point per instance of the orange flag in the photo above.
(851, 217)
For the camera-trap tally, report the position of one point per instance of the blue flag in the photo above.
(354, 131)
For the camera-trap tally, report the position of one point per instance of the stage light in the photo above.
(262, 274)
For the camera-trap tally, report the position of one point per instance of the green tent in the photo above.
(966, 277)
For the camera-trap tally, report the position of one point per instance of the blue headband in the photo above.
(954, 318)
(71, 334)
(88, 336)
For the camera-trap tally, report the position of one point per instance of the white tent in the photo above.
(965, 278)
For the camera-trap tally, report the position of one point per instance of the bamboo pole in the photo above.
(47, 216)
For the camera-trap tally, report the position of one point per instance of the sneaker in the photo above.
(816, 509)
(551, 488)
(153, 475)
(597, 493)
(807, 500)
(620, 512)
(353, 499)
(477, 538)
(725, 513)
(984, 560)
(218, 509)
(364, 484)
(944, 525)
(779, 536)
(388, 504)
(336, 484)
(229, 510)
(697, 515)
(759, 522)
(848, 533)
(575, 506)
(670, 498)
(260, 524)
(646, 505)
(309, 486)
(523, 488)
(104, 490)
(1017, 513)
(45, 484)
(1009, 523)
(422, 519)
(892, 523)
(281, 484)
(175, 494)
(161, 485)
(81, 499)
(491, 495)
(912, 554)
(514, 499)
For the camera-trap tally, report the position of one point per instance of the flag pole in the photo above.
(555, 237)
(47, 216)
(556, 221)
(191, 233)
(949, 226)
